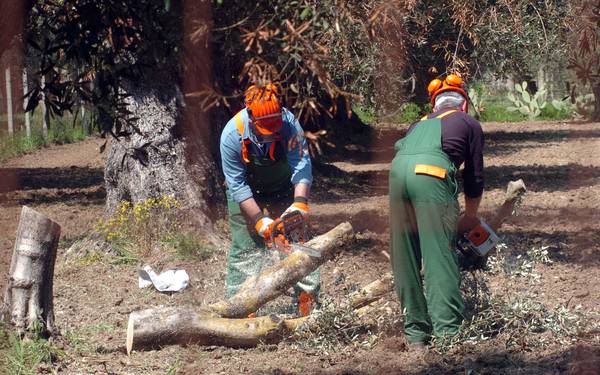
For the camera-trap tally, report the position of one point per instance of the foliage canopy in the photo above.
(374, 51)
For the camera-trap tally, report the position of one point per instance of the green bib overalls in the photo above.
(423, 215)
(271, 187)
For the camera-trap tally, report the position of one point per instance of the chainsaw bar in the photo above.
(306, 250)
(290, 234)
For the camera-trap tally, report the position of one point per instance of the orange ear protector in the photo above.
(452, 82)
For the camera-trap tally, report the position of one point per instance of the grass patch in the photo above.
(188, 246)
(60, 131)
(551, 113)
(495, 112)
(21, 356)
(81, 340)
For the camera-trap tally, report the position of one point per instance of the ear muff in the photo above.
(433, 86)
(454, 80)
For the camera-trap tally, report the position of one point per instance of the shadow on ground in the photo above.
(542, 178)
(74, 185)
(52, 178)
(579, 360)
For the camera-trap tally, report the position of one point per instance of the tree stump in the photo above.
(28, 301)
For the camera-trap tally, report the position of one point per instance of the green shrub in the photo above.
(529, 105)
(411, 112)
(188, 246)
(60, 132)
(550, 112)
(365, 114)
(495, 112)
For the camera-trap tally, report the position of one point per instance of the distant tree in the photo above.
(585, 59)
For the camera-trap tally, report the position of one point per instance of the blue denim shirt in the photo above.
(234, 167)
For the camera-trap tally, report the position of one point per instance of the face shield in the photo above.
(266, 128)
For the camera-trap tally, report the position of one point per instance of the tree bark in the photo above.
(9, 101)
(270, 283)
(27, 115)
(157, 327)
(28, 298)
(174, 152)
(596, 113)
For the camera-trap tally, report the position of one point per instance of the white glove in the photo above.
(264, 227)
(298, 206)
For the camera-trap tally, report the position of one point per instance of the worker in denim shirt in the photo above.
(265, 159)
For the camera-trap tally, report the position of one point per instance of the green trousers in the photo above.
(423, 216)
(249, 255)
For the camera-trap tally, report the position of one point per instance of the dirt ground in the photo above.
(559, 162)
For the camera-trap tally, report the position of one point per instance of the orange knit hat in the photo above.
(264, 109)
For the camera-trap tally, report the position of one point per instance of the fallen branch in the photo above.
(272, 282)
(157, 327)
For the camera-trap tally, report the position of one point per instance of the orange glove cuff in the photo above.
(301, 206)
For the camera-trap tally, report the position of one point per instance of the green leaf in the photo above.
(524, 111)
(511, 97)
(518, 88)
(167, 5)
(524, 84)
(526, 97)
(305, 13)
(512, 109)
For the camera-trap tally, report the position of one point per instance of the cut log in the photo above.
(272, 282)
(157, 327)
(28, 303)
(514, 192)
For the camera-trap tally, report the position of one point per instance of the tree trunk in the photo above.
(28, 298)
(9, 102)
(596, 113)
(153, 162)
(175, 151)
(157, 327)
(26, 114)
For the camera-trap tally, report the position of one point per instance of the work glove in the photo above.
(466, 223)
(264, 228)
(301, 205)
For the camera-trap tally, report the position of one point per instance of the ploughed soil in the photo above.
(559, 162)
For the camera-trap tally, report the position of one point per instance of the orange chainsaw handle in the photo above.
(278, 240)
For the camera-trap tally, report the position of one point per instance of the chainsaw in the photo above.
(289, 234)
(472, 247)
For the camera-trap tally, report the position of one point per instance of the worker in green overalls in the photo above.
(424, 211)
(266, 164)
